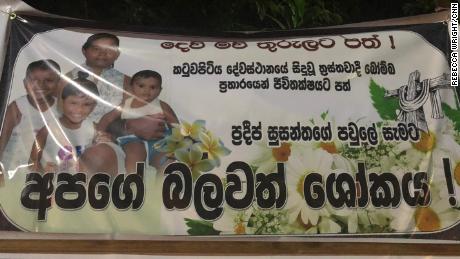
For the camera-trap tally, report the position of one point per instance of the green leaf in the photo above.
(453, 115)
(278, 22)
(260, 10)
(324, 115)
(297, 8)
(200, 228)
(300, 7)
(385, 106)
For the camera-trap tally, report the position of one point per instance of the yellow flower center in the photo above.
(300, 184)
(426, 143)
(187, 130)
(240, 229)
(457, 173)
(329, 147)
(282, 153)
(427, 220)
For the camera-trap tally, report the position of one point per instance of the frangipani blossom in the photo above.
(173, 142)
(193, 157)
(212, 146)
(192, 130)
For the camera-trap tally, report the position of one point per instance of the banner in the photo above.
(351, 132)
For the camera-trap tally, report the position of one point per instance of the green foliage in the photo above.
(323, 13)
(385, 106)
(212, 15)
(419, 6)
(200, 228)
(453, 115)
(287, 14)
(292, 14)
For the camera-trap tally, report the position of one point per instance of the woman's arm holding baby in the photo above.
(126, 87)
(147, 127)
(102, 128)
(170, 115)
(108, 118)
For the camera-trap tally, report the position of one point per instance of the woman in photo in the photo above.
(101, 50)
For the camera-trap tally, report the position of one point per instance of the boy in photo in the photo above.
(59, 144)
(26, 115)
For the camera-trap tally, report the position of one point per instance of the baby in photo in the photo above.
(146, 86)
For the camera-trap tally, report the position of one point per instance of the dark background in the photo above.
(225, 15)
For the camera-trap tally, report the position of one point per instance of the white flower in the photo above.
(439, 143)
(437, 215)
(431, 145)
(233, 221)
(266, 158)
(349, 216)
(173, 142)
(193, 157)
(302, 163)
(363, 220)
(438, 176)
(192, 130)
(325, 225)
(374, 220)
(213, 147)
(335, 149)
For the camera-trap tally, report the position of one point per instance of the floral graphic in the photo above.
(193, 157)
(304, 163)
(192, 130)
(266, 157)
(212, 146)
(194, 145)
(441, 140)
